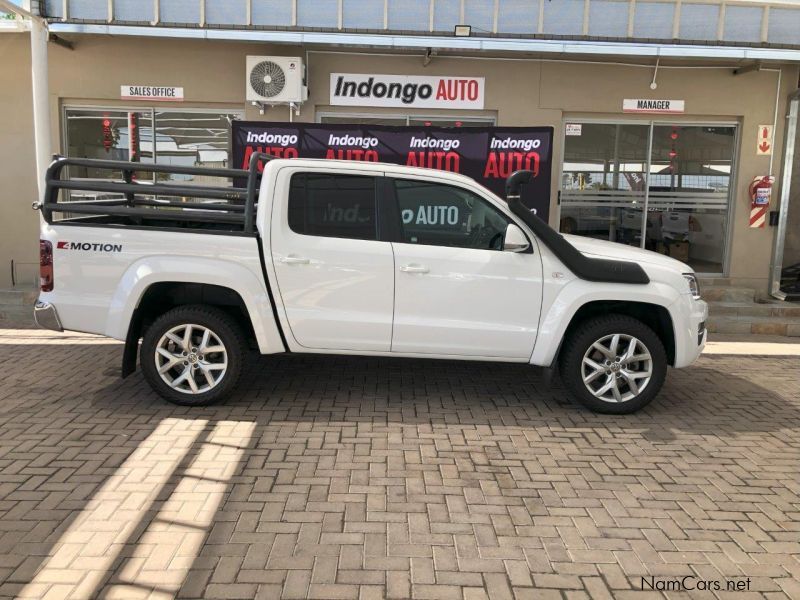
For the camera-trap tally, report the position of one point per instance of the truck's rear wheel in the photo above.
(192, 355)
(613, 364)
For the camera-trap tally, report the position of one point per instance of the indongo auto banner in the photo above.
(487, 154)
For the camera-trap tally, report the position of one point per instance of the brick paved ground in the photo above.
(363, 478)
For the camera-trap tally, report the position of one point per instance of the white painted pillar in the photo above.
(41, 103)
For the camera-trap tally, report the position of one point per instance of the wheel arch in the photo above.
(162, 296)
(655, 316)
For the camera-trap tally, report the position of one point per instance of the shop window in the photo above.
(690, 180)
(437, 122)
(479, 14)
(608, 18)
(108, 135)
(340, 206)
(180, 11)
(564, 17)
(743, 23)
(227, 12)
(653, 20)
(604, 180)
(134, 11)
(784, 23)
(318, 13)
(272, 12)
(416, 121)
(673, 200)
(407, 16)
(699, 21)
(183, 138)
(446, 14)
(91, 10)
(53, 8)
(362, 15)
(518, 16)
(443, 215)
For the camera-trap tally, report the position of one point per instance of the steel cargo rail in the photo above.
(227, 204)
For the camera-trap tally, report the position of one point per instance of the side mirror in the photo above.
(515, 240)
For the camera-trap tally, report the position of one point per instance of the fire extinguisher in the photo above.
(760, 195)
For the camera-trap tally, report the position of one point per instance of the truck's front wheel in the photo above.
(192, 355)
(613, 364)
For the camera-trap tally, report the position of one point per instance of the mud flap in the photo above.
(131, 346)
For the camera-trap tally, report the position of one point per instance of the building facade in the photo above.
(663, 113)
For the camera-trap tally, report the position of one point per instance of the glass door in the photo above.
(689, 187)
(658, 186)
(604, 181)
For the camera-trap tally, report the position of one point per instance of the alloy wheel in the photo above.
(617, 368)
(191, 359)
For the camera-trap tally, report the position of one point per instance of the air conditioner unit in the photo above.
(275, 80)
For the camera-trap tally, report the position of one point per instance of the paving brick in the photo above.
(334, 477)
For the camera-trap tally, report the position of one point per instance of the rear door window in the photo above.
(333, 205)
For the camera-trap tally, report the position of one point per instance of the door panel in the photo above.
(337, 292)
(456, 291)
(466, 302)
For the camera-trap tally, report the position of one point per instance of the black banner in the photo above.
(487, 154)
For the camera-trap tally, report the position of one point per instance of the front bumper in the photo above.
(691, 334)
(46, 316)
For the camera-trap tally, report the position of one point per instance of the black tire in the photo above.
(581, 340)
(222, 326)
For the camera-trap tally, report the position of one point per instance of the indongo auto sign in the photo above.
(487, 154)
(351, 89)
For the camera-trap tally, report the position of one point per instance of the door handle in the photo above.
(414, 268)
(295, 260)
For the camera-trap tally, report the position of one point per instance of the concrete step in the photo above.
(16, 316)
(725, 293)
(770, 325)
(706, 281)
(754, 309)
(18, 297)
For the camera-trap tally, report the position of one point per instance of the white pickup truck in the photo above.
(339, 257)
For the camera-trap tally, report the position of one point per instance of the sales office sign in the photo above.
(151, 93)
(412, 91)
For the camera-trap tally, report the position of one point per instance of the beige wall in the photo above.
(18, 223)
(517, 93)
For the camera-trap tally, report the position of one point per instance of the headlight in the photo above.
(694, 286)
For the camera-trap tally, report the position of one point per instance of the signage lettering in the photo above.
(352, 89)
(150, 92)
(646, 105)
(487, 154)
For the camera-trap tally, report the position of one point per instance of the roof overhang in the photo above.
(445, 43)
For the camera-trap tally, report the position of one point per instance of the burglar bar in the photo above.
(135, 206)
